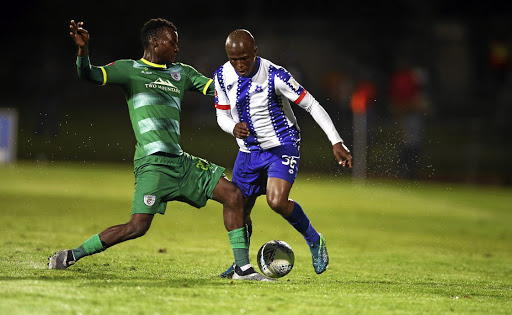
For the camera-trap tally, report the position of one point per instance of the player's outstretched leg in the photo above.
(67, 257)
(136, 227)
(319, 254)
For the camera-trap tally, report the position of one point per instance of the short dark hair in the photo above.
(152, 27)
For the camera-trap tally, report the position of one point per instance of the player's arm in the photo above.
(322, 118)
(199, 82)
(224, 118)
(81, 38)
(207, 86)
(89, 72)
(113, 73)
(226, 123)
(300, 96)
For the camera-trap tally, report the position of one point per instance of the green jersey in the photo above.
(154, 94)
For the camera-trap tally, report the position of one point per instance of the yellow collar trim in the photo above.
(153, 64)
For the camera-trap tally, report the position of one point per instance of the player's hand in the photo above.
(241, 130)
(79, 34)
(342, 154)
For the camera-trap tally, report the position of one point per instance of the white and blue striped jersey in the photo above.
(262, 101)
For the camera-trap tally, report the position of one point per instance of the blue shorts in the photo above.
(252, 170)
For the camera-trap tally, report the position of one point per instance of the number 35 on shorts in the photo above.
(291, 161)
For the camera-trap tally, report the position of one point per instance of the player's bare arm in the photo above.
(80, 36)
(241, 130)
(342, 154)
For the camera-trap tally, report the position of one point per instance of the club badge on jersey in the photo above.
(149, 200)
(176, 75)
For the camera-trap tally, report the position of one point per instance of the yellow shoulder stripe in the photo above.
(104, 76)
(206, 86)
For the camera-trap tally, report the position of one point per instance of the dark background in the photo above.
(329, 48)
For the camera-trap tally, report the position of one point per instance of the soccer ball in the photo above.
(276, 259)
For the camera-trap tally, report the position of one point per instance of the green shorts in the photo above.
(186, 178)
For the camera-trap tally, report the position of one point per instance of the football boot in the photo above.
(61, 259)
(249, 274)
(319, 254)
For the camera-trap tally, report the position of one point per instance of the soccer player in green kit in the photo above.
(154, 87)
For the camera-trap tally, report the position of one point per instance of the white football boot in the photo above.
(249, 274)
(61, 259)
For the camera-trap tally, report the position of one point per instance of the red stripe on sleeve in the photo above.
(304, 92)
(223, 107)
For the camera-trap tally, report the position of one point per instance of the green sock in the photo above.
(240, 246)
(89, 247)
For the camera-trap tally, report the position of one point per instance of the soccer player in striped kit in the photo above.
(154, 87)
(252, 97)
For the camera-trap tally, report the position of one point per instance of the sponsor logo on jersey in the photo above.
(146, 71)
(149, 200)
(257, 89)
(164, 85)
(176, 75)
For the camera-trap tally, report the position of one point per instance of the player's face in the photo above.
(167, 45)
(243, 59)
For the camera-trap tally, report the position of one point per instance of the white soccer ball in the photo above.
(276, 259)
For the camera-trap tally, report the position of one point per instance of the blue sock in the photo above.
(300, 221)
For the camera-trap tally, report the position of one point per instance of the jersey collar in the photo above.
(154, 65)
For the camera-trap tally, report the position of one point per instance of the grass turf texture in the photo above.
(395, 248)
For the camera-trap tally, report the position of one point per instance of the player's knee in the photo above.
(137, 229)
(235, 198)
(277, 203)
(228, 194)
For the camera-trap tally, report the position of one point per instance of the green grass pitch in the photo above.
(395, 248)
